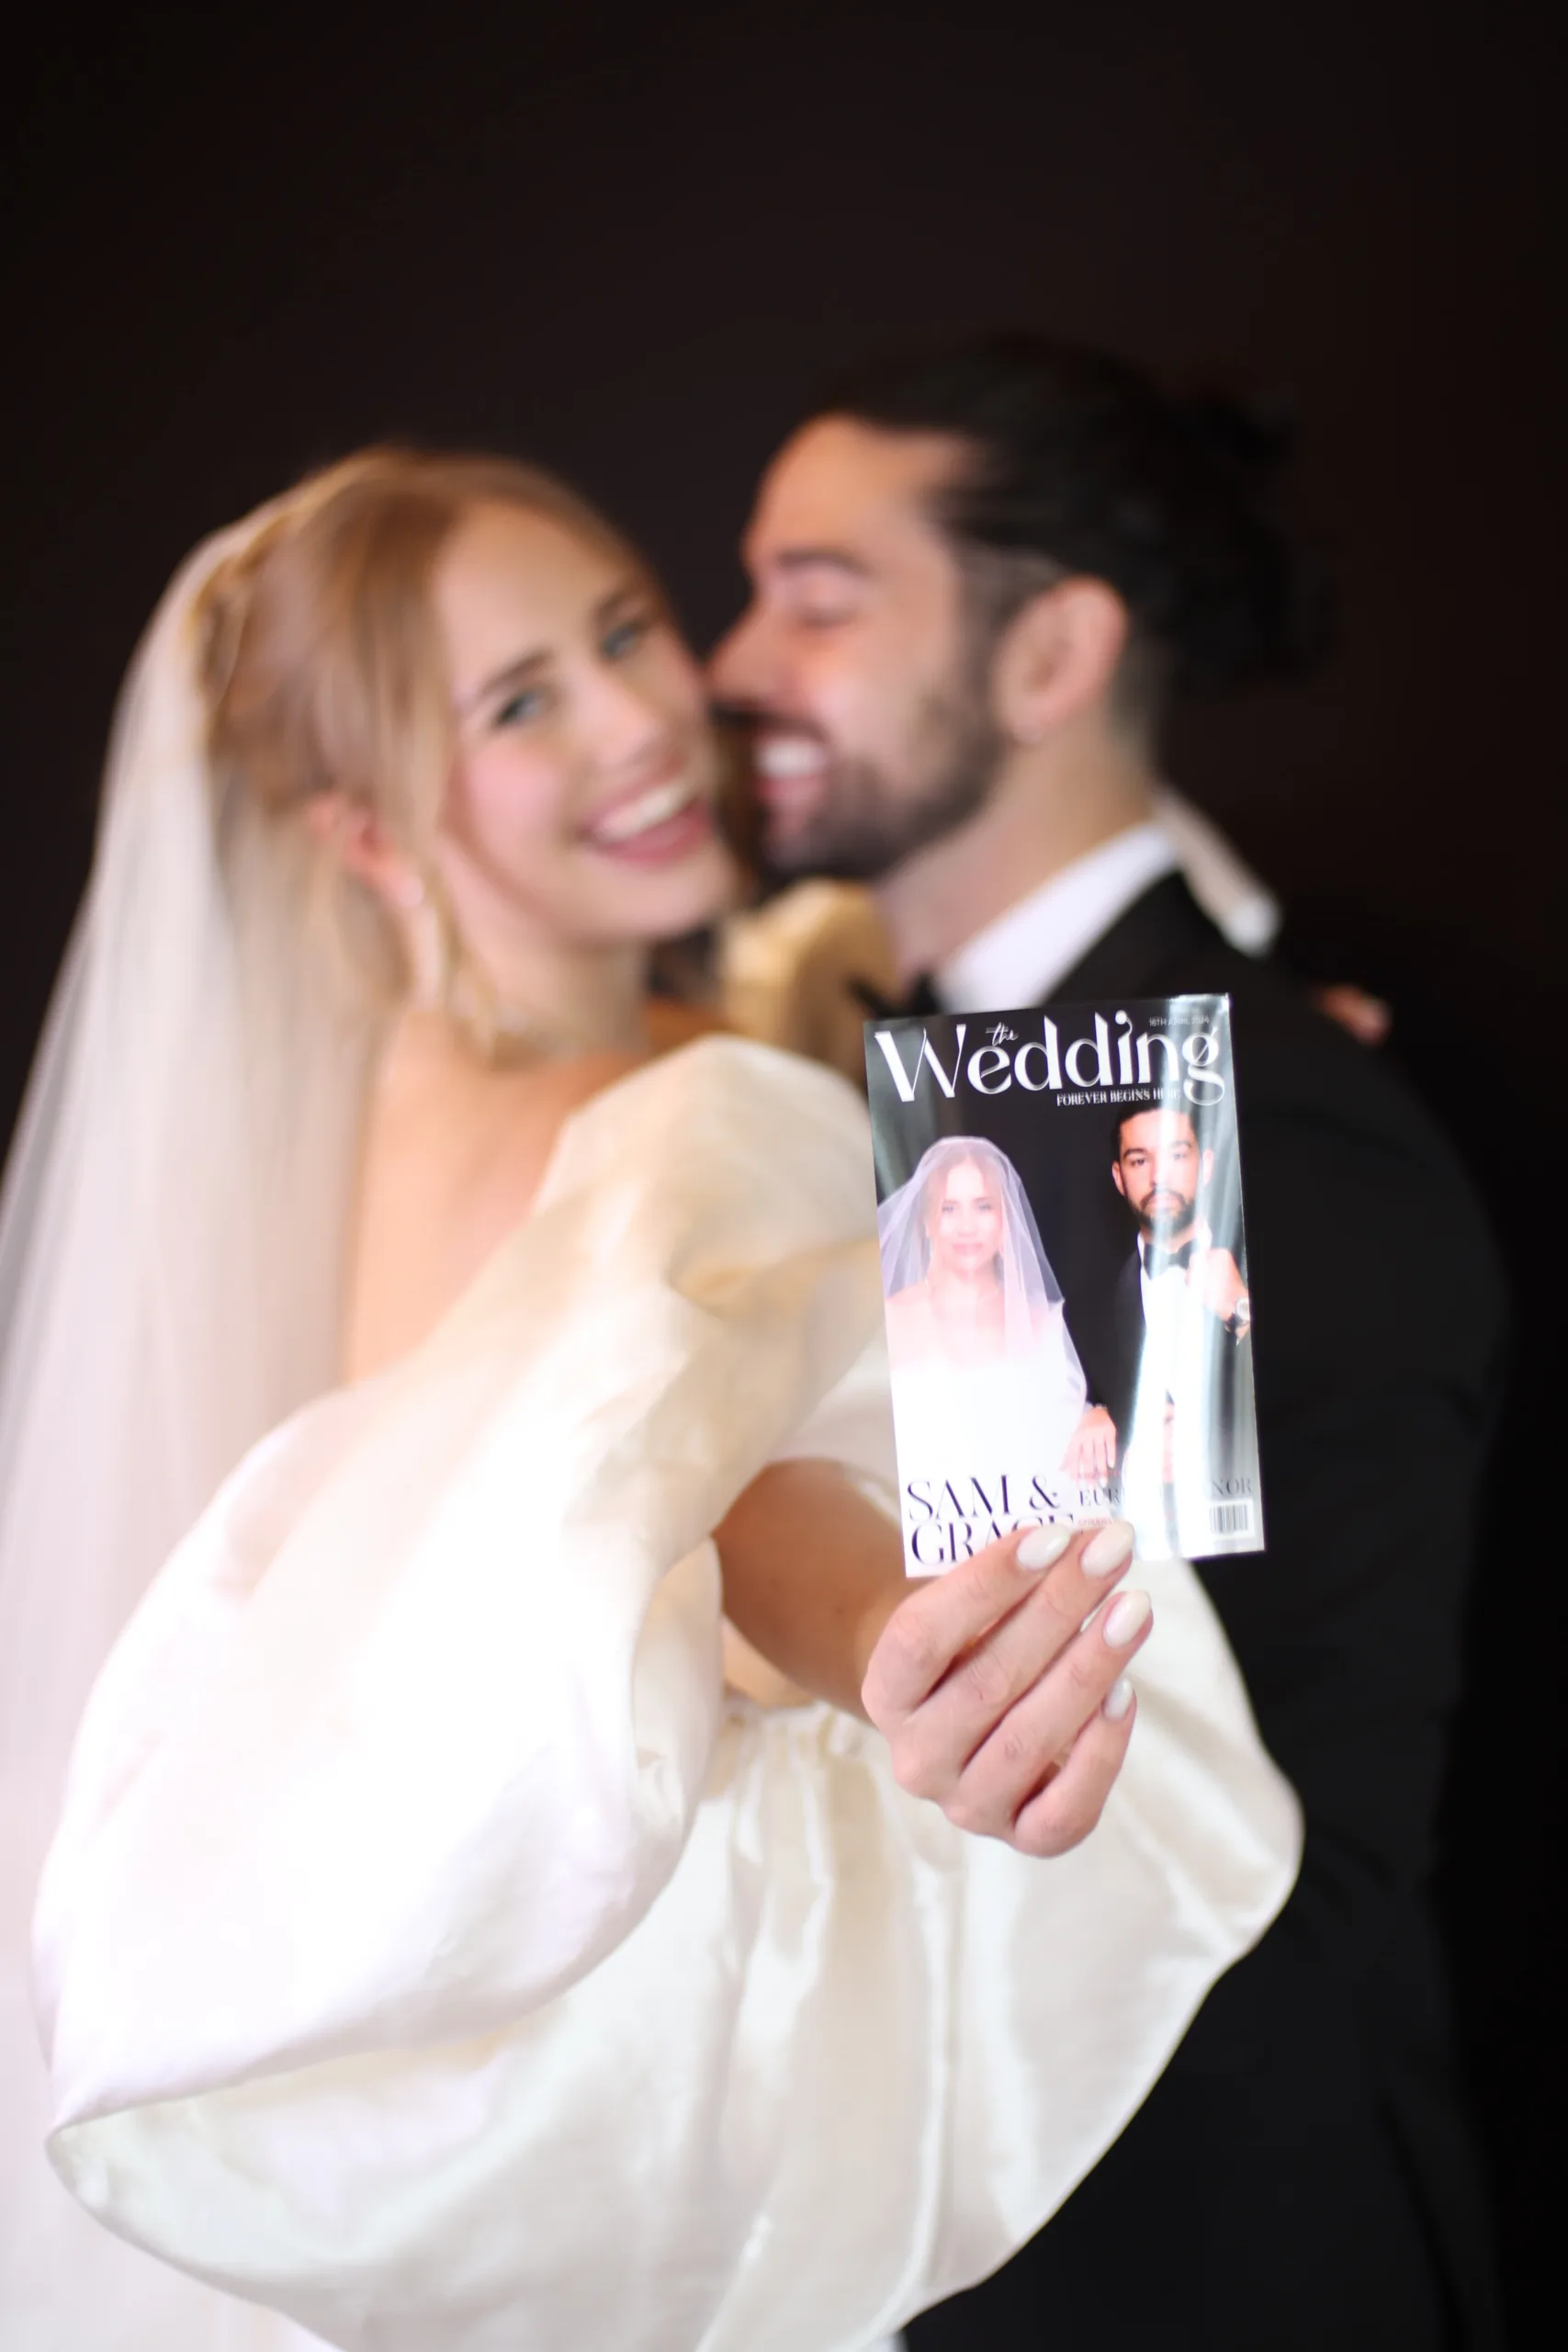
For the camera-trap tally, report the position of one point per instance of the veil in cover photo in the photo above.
(989, 1434)
(1032, 1297)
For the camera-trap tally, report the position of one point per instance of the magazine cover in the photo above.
(1064, 1262)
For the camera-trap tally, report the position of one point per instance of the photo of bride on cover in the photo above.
(985, 1379)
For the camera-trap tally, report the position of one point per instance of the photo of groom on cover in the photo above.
(1065, 1270)
(1167, 1344)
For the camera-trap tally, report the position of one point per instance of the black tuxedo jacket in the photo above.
(1108, 1331)
(1108, 1327)
(1301, 2176)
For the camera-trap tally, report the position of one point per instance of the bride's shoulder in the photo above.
(672, 1021)
(724, 1127)
(780, 1100)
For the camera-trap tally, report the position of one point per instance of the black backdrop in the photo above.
(242, 241)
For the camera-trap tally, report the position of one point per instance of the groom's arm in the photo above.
(1378, 1329)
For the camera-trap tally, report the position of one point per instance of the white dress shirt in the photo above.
(1171, 1303)
(786, 967)
(1020, 957)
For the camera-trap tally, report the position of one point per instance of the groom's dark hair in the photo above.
(1079, 463)
(1174, 1103)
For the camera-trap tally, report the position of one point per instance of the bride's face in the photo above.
(581, 804)
(966, 1223)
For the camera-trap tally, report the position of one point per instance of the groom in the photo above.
(1178, 1306)
(979, 580)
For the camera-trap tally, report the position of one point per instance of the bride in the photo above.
(445, 1944)
(989, 1395)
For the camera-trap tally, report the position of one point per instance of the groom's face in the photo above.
(873, 733)
(1158, 1171)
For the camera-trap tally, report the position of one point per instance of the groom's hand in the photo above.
(1216, 1277)
(1090, 1456)
(997, 1700)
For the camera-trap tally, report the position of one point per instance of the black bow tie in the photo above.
(1158, 1260)
(921, 998)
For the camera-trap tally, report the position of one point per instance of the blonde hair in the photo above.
(320, 659)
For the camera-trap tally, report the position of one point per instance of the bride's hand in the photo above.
(995, 1700)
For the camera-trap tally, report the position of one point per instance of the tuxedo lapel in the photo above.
(1127, 1321)
(1130, 1331)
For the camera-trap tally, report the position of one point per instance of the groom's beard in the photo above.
(868, 823)
(1164, 1214)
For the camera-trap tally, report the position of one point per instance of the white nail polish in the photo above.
(1111, 1548)
(1042, 1545)
(1125, 1619)
(1117, 1701)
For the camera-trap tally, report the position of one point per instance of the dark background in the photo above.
(242, 241)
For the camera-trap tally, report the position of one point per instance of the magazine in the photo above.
(1064, 1262)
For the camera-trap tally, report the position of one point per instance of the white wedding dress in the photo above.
(434, 1951)
(980, 1444)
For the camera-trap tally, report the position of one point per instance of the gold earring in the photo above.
(464, 994)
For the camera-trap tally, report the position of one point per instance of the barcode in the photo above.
(1231, 1519)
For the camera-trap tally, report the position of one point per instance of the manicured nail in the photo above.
(1111, 1548)
(1117, 1700)
(1125, 1619)
(1042, 1545)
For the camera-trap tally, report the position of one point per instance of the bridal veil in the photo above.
(170, 1242)
(1028, 1285)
